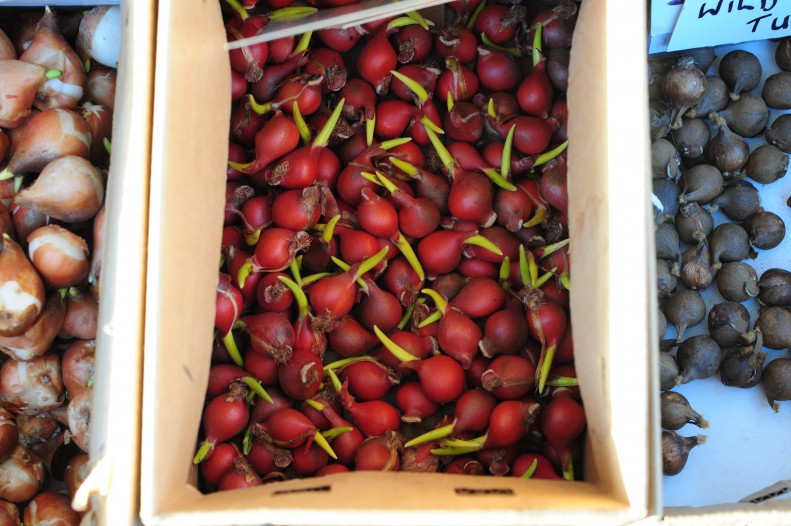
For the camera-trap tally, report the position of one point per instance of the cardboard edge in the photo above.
(160, 508)
(115, 422)
(607, 158)
(189, 37)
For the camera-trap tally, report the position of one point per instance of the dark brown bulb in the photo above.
(739, 200)
(701, 184)
(668, 371)
(676, 412)
(726, 151)
(775, 287)
(696, 270)
(737, 281)
(675, 451)
(665, 160)
(684, 85)
(741, 71)
(776, 381)
(775, 326)
(729, 324)
(777, 91)
(741, 366)
(666, 192)
(729, 243)
(684, 308)
(783, 54)
(699, 357)
(746, 116)
(693, 223)
(715, 99)
(667, 242)
(766, 164)
(779, 133)
(691, 137)
(766, 230)
(666, 277)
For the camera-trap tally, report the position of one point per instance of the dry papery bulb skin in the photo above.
(741, 366)
(696, 271)
(729, 324)
(726, 151)
(684, 86)
(775, 288)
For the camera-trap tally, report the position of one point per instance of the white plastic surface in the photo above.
(748, 446)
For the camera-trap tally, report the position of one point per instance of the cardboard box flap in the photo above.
(115, 413)
(608, 182)
(187, 197)
(189, 155)
(344, 16)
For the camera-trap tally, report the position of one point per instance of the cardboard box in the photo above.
(110, 492)
(610, 303)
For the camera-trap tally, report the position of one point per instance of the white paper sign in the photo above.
(664, 14)
(716, 22)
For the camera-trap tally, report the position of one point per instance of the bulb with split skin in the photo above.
(60, 256)
(22, 476)
(82, 316)
(78, 367)
(21, 289)
(69, 189)
(98, 38)
(51, 507)
(100, 86)
(22, 80)
(51, 50)
(45, 137)
(32, 387)
(39, 337)
(100, 122)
